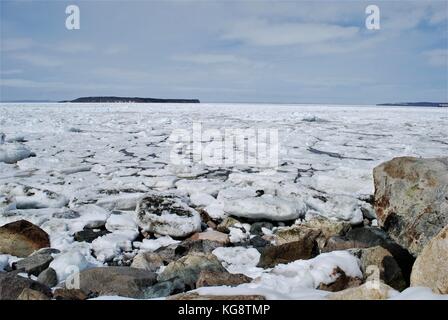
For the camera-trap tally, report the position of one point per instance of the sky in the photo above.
(226, 51)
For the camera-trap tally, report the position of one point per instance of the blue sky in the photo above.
(226, 51)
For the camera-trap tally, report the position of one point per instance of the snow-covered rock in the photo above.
(167, 215)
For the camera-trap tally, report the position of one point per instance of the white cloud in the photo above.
(10, 72)
(263, 33)
(73, 47)
(15, 44)
(207, 58)
(39, 60)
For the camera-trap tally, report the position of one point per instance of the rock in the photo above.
(364, 292)
(390, 271)
(259, 243)
(148, 261)
(166, 215)
(30, 294)
(431, 266)
(367, 237)
(190, 246)
(211, 278)
(342, 282)
(48, 277)
(295, 233)
(12, 285)
(34, 264)
(256, 228)
(327, 228)
(212, 235)
(411, 199)
(226, 224)
(189, 267)
(165, 288)
(287, 252)
(111, 281)
(88, 235)
(21, 238)
(69, 294)
(195, 296)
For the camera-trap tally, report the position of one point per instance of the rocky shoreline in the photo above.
(171, 247)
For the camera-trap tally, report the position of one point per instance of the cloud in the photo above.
(207, 58)
(16, 44)
(39, 60)
(10, 72)
(73, 47)
(263, 33)
(113, 73)
(437, 57)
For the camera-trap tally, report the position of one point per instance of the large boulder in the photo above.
(189, 267)
(167, 215)
(111, 281)
(21, 238)
(411, 199)
(12, 285)
(431, 266)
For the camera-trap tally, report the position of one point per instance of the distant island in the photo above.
(129, 99)
(416, 104)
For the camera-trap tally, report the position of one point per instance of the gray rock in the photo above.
(121, 281)
(367, 237)
(12, 285)
(165, 288)
(48, 277)
(34, 264)
(411, 199)
(88, 235)
(390, 271)
(255, 228)
(188, 268)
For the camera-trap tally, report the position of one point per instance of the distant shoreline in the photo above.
(416, 104)
(113, 99)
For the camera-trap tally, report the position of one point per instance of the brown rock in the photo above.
(411, 199)
(69, 294)
(12, 285)
(210, 279)
(296, 233)
(285, 253)
(431, 266)
(211, 235)
(195, 296)
(226, 224)
(30, 294)
(22, 238)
